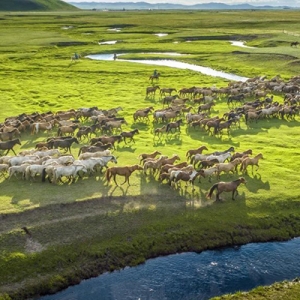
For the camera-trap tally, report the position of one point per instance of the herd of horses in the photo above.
(177, 110)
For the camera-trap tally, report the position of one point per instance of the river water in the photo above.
(173, 64)
(194, 276)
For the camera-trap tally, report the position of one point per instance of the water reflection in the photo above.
(172, 64)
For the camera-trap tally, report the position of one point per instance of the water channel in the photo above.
(194, 276)
(173, 64)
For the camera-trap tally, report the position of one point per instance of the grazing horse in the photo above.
(173, 125)
(251, 161)
(121, 171)
(192, 152)
(129, 135)
(9, 145)
(65, 143)
(226, 187)
(156, 77)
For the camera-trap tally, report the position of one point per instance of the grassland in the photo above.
(83, 229)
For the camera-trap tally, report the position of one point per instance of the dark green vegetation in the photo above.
(35, 5)
(83, 229)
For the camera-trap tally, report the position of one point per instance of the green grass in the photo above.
(126, 225)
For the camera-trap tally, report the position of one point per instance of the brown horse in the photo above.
(156, 77)
(8, 136)
(65, 143)
(222, 186)
(241, 154)
(110, 139)
(159, 131)
(129, 135)
(248, 161)
(192, 152)
(173, 125)
(143, 156)
(150, 90)
(121, 171)
(9, 145)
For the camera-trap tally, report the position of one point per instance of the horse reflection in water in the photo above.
(226, 187)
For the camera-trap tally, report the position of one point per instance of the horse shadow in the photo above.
(126, 148)
(174, 139)
(255, 183)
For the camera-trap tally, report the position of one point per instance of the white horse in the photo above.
(221, 158)
(67, 171)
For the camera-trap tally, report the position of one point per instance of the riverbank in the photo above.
(78, 247)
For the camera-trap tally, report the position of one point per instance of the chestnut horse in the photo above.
(121, 171)
(248, 161)
(222, 186)
(192, 152)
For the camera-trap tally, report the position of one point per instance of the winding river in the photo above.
(194, 276)
(173, 64)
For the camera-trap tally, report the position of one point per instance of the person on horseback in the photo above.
(155, 73)
(76, 55)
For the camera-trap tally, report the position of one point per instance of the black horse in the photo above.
(65, 143)
(294, 44)
(9, 145)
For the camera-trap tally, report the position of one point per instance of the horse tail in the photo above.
(108, 175)
(44, 175)
(209, 194)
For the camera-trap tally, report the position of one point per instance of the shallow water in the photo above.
(240, 44)
(108, 43)
(194, 276)
(172, 64)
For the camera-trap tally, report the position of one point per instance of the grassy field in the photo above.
(80, 230)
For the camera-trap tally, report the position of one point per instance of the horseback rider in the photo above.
(155, 73)
(76, 55)
(115, 56)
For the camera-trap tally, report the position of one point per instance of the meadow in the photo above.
(83, 229)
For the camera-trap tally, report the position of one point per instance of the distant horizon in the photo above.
(291, 3)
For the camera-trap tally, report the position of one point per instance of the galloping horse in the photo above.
(121, 171)
(226, 187)
(9, 145)
(173, 125)
(129, 135)
(251, 161)
(65, 143)
(156, 77)
(192, 152)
